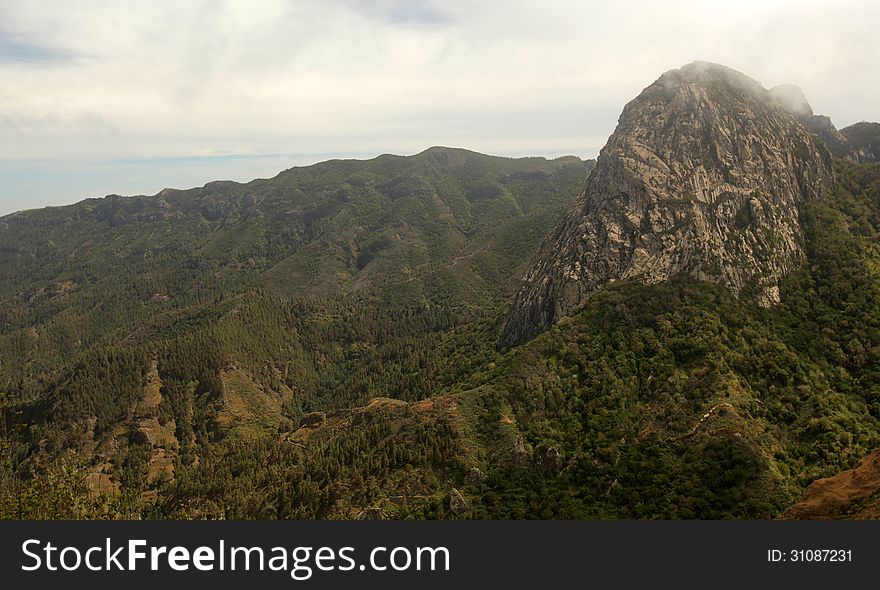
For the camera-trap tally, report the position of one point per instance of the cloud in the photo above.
(404, 12)
(161, 79)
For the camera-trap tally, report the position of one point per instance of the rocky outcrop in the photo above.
(792, 98)
(458, 505)
(859, 142)
(822, 127)
(864, 139)
(702, 177)
(519, 454)
(475, 477)
(371, 513)
(553, 459)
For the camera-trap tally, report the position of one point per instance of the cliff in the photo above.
(702, 177)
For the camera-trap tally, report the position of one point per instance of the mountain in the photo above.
(139, 332)
(703, 177)
(677, 399)
(864, 138)
(324, 344)
(445, 226)
(792, 98)
(859, 142)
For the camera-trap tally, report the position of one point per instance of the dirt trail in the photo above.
(709, 413)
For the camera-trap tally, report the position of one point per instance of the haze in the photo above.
(129, 98)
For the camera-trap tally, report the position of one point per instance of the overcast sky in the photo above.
(119, 97)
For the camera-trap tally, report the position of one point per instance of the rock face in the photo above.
(822, 127)
(792, 98)
(702, 177)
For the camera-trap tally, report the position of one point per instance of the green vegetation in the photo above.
(864, 137)
(322, 345)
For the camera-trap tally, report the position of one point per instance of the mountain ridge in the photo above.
(436, 154)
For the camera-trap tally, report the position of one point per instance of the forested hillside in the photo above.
(139, 336)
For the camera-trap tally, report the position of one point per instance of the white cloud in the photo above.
(102, 81)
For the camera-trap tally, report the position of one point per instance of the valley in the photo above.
(687, 327)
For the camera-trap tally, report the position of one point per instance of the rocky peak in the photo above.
(792, 98)
(702, 177)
